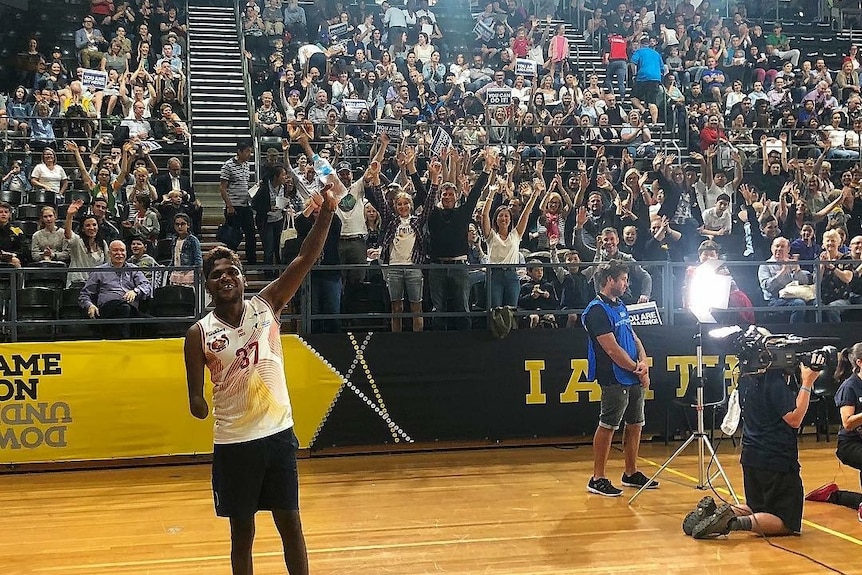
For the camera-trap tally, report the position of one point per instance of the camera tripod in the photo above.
(700, 436)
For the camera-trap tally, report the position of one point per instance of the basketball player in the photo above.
(254, 457)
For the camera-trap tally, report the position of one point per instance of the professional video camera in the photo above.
(758, 350)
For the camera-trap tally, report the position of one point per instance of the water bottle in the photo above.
(321, 167)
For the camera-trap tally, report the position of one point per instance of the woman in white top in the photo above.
(461, 69)
(88, 251)
(503, 246)
(47, 175)
(423, 48)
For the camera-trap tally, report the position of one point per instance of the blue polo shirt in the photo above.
(649, 63)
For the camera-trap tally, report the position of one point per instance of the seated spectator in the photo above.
(48, 175)
(87, 252)
(267, 118)
(42, 128)
(113, 294)
(49, 242)
(19, 111)
(608, 243)
(143, 221)
(717, 220)
(11, 238)
(738, 300)
(781, 43)
(538, 294)
(15, 179)
(186, 250)
(836, 273)
(139, 127)
(90, 42)
(573, 286)
(778, 271)
(103, 187)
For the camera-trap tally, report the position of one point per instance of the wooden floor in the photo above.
(501, 511)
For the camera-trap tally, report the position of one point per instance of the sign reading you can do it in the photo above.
(26, 422)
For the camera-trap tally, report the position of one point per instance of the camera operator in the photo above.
(849, 452)
(773, 408)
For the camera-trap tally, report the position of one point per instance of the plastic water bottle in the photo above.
(321, 167)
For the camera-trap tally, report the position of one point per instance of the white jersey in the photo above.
(250, 398)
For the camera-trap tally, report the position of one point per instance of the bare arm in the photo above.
(79, 161)
(795, 417)
(194, 359)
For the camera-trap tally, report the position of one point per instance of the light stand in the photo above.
(713, 292)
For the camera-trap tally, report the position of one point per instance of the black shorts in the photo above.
(648, 92)
(256, 475)
(777, 493)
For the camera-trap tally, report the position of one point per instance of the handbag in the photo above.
(229, 235)
(795, 290)
(289, 231)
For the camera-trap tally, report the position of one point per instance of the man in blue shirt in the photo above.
(618, 362)
(115, 292)
(647, 88)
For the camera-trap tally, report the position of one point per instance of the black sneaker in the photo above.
(603, 486)
(716, 524)
(705, 508)
(638, 479)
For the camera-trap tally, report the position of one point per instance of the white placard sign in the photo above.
(525, 67)
(352, 107)
(94, 79)
(644, 313)
(483, 31)
(440, 141)
(391, 127)
(498, 96)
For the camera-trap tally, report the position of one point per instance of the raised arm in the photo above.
(70, 214)
(525, 213)
(72, 148)
(279, 292)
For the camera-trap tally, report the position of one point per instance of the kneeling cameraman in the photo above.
(773, 408)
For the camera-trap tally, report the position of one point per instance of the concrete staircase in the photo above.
(218, 101)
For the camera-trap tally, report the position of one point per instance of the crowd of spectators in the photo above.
(78, 151)
(581, 159)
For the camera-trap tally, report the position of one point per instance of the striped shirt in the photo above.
(236, 174)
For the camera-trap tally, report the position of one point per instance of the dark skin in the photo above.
(226, 285)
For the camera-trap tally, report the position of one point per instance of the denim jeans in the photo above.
(832, 314)
(620, 69)
(798, 305)
(505, 287)
(325, 299)
(450, 284)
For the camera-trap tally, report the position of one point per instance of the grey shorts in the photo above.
(400, 279)
(621, 403)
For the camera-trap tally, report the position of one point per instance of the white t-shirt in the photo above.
(402, 244)
(502, 251)
(52, 177)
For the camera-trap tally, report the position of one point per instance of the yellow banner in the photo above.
(73, 401)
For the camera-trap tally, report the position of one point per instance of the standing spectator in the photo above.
(504, 242)
(403, 241)
(49, 243)
(447, 227)
(616, 59)
(558, 52)
(115, 292)
(354, 232)
(397, 20)
(234, 192)
(647, 88)
(618, 361)
(269, 203)
(295, 23)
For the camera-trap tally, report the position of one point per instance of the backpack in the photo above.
(502, 321)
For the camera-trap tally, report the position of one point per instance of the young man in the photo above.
(254, 458)
(773, 407)
(618, 361)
